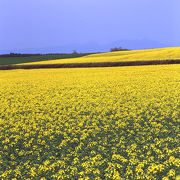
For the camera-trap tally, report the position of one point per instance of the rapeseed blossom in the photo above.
(172, 53)
(96, 123)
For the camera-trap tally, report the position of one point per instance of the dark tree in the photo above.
(118, 49)
(75, 52)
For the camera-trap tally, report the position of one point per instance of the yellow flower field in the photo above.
(97, 123)
(134, 55)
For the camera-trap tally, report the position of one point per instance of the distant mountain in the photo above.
(92, 47)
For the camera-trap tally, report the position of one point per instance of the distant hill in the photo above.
(171, 53)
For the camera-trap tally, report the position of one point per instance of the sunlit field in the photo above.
(134, 55)
(97, 123)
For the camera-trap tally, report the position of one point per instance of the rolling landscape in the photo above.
(102, 123)
(122, 56)
(75, 110)
(110, 59)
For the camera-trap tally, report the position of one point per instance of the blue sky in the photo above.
(64, 23)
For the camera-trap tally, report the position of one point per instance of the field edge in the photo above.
(87, 65)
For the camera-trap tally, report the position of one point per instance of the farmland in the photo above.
(98, 123)
(121, 56)
(30, 59)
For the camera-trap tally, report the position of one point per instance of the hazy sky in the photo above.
(45, 23)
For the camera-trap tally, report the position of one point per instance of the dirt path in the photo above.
(87, 65)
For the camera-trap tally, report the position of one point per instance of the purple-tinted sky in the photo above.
(46, 23)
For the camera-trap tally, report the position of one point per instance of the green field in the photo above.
(134, 55)
(19, 60)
